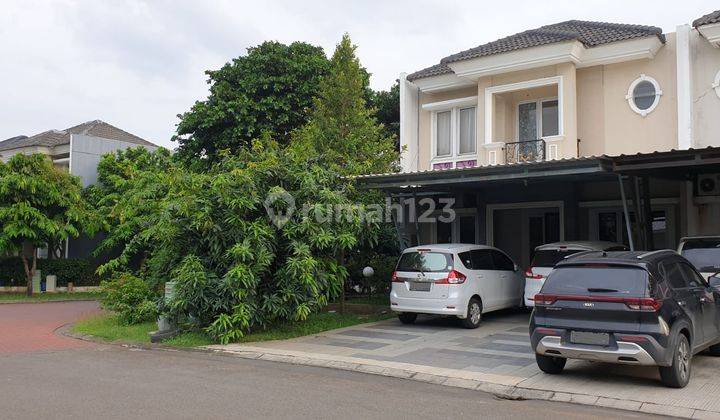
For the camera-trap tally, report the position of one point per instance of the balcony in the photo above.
(525, 151)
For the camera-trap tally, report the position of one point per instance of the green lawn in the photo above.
(108, 328)
(48, 297)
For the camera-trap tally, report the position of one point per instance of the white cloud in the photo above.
(137, 64)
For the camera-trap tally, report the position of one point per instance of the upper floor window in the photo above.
(643, 95)
(537, 119)
(455, 132)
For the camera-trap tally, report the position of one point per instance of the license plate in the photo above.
(581, 337)
(419, 287)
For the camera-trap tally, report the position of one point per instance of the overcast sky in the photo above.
(138, 64)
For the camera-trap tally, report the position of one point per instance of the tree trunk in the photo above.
(29, 270)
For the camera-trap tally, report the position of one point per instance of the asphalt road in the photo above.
(109, 382)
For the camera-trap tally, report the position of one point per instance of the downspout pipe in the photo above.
(626, 213)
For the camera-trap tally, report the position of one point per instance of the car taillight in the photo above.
(637, 304)
(644, 304)
(541, 299)
(394, 278)
(454, 277)
(529, 274)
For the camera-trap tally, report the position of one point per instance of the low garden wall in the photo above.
(78, 271)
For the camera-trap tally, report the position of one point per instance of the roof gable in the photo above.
(590, 34)
(52, 138)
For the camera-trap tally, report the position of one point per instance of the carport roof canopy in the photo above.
(674, 164)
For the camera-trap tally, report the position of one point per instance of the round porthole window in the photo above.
(716, 85)
(643, 95)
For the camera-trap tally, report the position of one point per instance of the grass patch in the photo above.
(49, 297)
(379, 300)
(314, 324)
(108, 327)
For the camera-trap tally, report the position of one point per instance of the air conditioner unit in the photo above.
(708, 184)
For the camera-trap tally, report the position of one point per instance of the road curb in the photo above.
(511, 392)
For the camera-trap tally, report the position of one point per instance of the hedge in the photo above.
(76, 270)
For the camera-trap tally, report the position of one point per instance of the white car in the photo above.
(454, 279)
(703, 252)
(546, 256)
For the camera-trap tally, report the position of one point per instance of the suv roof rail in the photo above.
(647, 254)
(577, 254)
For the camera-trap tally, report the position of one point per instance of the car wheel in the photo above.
(407, 317)
(474, 314)
(677, 375)
(550, 364)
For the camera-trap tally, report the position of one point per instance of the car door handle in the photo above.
(703, 299)
(480, 276)
(681, 302)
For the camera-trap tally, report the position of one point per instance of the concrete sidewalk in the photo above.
(494, 358)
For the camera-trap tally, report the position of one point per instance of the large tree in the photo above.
(39, 205)
(268, 91)
(387, 110)
(342, 133)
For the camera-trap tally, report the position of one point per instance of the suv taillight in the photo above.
(637, 304)
(454, 277)
(394, 278)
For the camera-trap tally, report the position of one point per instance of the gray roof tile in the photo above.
(53, 138)
(713, 17)
(590, 34)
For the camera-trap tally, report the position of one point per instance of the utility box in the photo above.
(51, 283)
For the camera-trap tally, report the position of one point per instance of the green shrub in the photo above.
(79, 271)
(12, 272)
(130, 298)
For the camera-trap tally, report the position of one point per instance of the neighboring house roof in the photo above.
(53, 138)
(713, 17)
(590, 34)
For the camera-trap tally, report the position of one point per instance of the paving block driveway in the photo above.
(497, 353)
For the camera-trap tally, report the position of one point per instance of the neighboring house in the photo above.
(78, 150)
(530, 132)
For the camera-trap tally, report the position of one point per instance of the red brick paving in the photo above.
(30, 327)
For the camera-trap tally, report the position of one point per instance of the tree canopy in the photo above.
(268, 91)
(39, 205)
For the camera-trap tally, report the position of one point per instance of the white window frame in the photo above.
(454, 106)
(538, 117)
(716, 84)
(631, 100)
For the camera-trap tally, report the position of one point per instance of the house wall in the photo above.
(705, 65)
(87, 151)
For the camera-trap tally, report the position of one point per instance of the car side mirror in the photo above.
(515, 267)
(714, 281)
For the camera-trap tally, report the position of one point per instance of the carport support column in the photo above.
(626, 213)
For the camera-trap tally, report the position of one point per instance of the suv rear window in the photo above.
(594, 280)
(550, 257)
(425, 261)
(704, 254)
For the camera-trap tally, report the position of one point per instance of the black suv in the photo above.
(641, 308)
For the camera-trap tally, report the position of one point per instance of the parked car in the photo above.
(639, 308)
(703, 252)
(454, 279)
(546, 256)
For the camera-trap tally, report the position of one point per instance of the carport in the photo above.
(647, 200)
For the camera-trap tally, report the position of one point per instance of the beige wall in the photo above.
(627, 132)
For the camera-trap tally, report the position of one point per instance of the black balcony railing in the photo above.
(525, 151)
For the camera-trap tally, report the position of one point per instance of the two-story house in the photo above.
(78, 150)
(575, 130)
